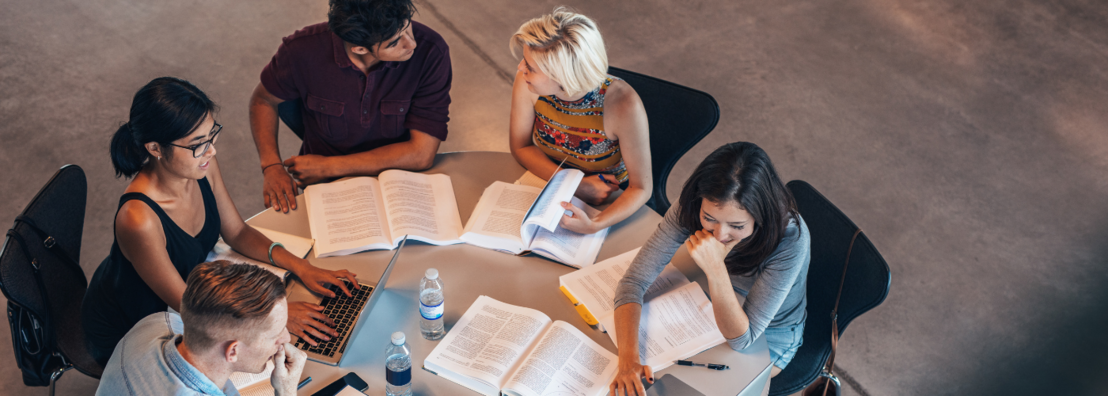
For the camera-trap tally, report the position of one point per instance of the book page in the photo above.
(495, 222)
(488, 341)
(595, 286)
(529, 179)
(346, 216)
(254, 384)
(421, 206)
(565, 362)
(547, 210)
(674, 326)
(571, 248)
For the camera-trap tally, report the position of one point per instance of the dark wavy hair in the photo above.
(368, 22)
(164, 110)
(741, 172)
(221, 296)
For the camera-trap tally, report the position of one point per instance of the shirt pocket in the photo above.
(393, 114)
(328, 114)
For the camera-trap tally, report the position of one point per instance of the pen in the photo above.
(712, 366)
(304, 382)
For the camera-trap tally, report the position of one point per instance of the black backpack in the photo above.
(42, 279)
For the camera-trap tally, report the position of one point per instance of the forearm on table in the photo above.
(254, 244)
(535, 161)
(402, 155)
(730, 317)
(627, 318)
(623, 207)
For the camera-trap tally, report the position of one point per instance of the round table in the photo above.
(469, 271)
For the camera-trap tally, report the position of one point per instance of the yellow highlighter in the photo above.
(581, 309)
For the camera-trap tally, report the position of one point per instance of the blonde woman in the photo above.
(566, 106)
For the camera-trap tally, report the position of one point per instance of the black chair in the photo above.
(866, 285)
(679, 118)
(40, 273)
(291, 113)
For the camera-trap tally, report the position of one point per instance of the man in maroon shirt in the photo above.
(375, 88)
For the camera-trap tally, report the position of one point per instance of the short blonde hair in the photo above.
(567, 47)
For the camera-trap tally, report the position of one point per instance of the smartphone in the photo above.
(351, 379)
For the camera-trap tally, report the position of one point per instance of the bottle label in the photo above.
(398, 378)
(431, 312)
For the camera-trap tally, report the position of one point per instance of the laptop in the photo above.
(346, 312)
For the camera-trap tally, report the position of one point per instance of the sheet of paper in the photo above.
(595, 286)
(547, 210)
(346, 216)
(298, 246)
(254, 384)
(571, 248)
(421, 206)
(674, 326)
(223, 251)
(529, 179)
(495, 222)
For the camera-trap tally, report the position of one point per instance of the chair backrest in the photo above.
(58, 211)
(867, 284)
(679, 118)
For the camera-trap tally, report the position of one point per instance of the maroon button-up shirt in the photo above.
(347, 111)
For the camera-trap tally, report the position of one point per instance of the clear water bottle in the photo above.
(398, 367)
(431, 306)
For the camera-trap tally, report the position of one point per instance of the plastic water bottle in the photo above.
(431, 306)
(398, 367)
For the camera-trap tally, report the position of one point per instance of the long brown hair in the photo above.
(741, 172)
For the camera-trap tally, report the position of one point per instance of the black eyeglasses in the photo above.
(198, 150)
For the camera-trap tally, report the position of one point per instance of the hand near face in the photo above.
(309, 169)
(288, 365)
(708, 252)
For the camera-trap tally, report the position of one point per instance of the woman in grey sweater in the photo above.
(742, 229)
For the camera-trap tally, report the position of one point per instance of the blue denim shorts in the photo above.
(784, 342)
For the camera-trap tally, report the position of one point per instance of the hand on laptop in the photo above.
(317, 279)
(308, 322)
(288, 364)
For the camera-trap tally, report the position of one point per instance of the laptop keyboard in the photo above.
(343, 311)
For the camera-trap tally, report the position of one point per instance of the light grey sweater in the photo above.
(776, 297)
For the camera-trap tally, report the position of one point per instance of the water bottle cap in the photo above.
(432, 273)
(398, 338)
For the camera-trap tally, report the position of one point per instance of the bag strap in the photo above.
(830, 365)
(48, 241)
(38, 279)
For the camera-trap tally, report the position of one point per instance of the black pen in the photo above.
(712, 366)
(304, 382)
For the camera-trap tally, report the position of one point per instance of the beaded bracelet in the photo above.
(275, 244)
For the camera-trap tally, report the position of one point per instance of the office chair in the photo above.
(679, 117)
(291, 113)
(864, 285)
(41, 276)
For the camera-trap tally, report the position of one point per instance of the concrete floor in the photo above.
(968, 139)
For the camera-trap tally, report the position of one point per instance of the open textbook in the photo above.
(677, 318)
(497, 347)
(508, 218)
(365, 213)
(297, 246)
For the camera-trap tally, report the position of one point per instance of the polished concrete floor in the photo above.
(968, 139)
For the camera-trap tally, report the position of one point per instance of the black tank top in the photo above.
(117, 297)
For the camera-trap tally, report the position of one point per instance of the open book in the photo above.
(510, 218)
(365, 213)
(254, 384)
(677, 318)
(297, 246)
(497, 347)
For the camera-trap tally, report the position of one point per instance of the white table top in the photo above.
(469, 271)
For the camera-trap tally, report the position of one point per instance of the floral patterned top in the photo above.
(576, 130)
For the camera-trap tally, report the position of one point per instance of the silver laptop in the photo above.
(346, 312)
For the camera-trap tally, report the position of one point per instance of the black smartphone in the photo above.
(351, 379)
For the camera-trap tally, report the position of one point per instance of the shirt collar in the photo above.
(343, 61)
(189, 375)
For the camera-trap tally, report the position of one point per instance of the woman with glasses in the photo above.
(171, 215)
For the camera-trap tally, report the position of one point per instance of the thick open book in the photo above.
(516, 219)
(497, 347)
(677, 319)
(297, 246)
(366, 213)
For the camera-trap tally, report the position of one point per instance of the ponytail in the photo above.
(164, 110)
(128, 155)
